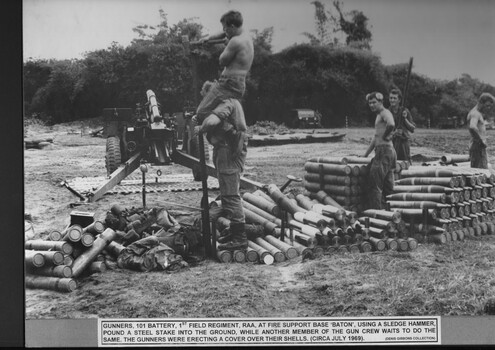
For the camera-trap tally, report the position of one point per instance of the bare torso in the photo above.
(238, 55)
(475, 120)
(383, 119)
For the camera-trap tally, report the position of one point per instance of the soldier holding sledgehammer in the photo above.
(229, 156)
(236, 58)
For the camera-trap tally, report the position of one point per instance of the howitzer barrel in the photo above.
(52, 283)
(155, 112)
(87, 257)
(40, 244)
(265, 256)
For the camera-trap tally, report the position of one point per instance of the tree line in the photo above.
(327, 75)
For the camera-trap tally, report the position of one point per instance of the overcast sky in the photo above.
(445, 37)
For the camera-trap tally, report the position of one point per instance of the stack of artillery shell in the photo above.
(55, 262)
(344, 179)
(387, 230)
(459, 199)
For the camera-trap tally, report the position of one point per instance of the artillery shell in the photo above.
(40, 244)
(392, 244)
(72, 233)
(32, 258)
(354, 248)
(252, 255)
(289, 251)
(403, 245)
(53, 283)
(55, 236)
(61, 271)
(224, 256)
(239, 256)
(365, 247)
(413, 243)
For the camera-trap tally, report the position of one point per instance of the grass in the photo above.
(452, 279)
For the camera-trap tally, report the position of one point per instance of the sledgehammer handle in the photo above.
(205, 213)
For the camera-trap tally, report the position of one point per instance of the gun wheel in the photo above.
(113, 156)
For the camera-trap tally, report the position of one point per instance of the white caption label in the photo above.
(177, 332)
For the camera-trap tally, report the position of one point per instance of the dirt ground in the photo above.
(451, 279)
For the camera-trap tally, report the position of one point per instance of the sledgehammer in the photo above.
(291, 178)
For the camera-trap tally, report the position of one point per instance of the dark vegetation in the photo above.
(324, 75)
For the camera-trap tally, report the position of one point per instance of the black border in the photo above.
(11, 177)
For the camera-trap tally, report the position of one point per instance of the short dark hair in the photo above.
(396, 92)
(233, 18)
(374, 94)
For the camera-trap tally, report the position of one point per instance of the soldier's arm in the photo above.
(473, 126)
(408, 121)
(388, 118)
(210, 123)
(371, 147)
(230, 51)
(219, 35)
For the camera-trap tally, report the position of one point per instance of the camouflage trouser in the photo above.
(381, 181)
(402, 148)
(229, 169)
(226, 87)
(478, 156)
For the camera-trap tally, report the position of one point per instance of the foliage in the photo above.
(356, 28)
(330, 78)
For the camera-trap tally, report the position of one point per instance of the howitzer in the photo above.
(146, 135)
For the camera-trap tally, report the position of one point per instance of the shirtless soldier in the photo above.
(477, 128)
(381, 179)
(236, 58)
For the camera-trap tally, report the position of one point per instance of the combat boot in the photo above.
(225, 236)
(239, 239)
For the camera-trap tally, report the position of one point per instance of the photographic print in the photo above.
(258, 172)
